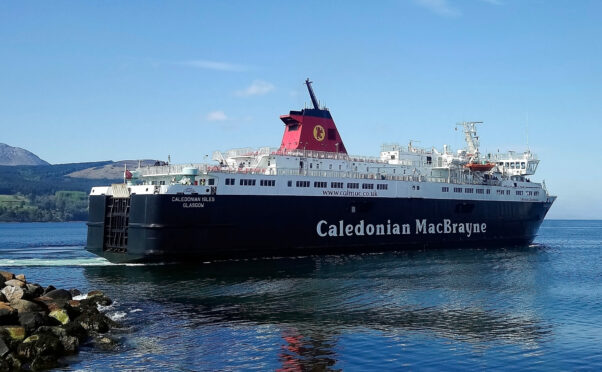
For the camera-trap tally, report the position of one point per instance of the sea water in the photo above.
(537, 307)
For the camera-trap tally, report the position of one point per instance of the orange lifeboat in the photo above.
(475, 167)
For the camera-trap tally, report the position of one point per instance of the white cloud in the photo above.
(440, 7)
(217, 116)
(257, 88)
(214, 65)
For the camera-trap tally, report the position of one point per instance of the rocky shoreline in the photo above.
(40, 325)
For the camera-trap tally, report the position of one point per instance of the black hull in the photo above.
(177, 228)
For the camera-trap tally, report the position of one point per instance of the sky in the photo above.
(112, 80)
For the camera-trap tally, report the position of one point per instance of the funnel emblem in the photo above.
(319, 133)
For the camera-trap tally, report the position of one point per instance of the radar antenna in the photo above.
(311, 94)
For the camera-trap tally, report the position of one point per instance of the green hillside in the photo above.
(46, 193)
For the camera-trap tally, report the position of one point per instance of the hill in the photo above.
(46, 192)
(48, 179)
(112, 170)
(17, 156)
(55, 192)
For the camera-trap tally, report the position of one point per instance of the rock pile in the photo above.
(39, 325)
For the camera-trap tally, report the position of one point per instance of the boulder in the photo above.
(105, 343)
(31, 321)
(13, 293)
(14, 362)
(14, 283)
(8, 315)
(49, 288)
(12, 333)
(35, 290)
(26, 306)
(94, 322)
(21, 277)
(59, 294)
(73, 308)
(75, 329)
(98, 298)
(70, 343)
(43, 344)
(60, 315)
(4, 366)
(50, 304)
(74, 292)
(6, 275)
(3, 348)
(2, 298)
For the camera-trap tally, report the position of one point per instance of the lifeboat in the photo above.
(475, 167)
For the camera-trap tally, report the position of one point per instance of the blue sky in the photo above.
(92, 80)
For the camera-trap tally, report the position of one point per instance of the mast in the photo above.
(470, 136)
(311, 94)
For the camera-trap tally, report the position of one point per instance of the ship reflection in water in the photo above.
(335, 312)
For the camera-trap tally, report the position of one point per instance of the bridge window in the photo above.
(320, 184)
(302, 183)
(445, 189)
(382, 186)
(522, 165)
(353, 185)
(367, 186)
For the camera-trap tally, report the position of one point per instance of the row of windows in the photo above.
(366, 186)
(247, 182)
(468, 190)
(513, 165)
(267, 182)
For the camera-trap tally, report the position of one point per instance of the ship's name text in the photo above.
(422, 226)
(192, 201)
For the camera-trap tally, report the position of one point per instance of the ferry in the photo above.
(309, 196)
